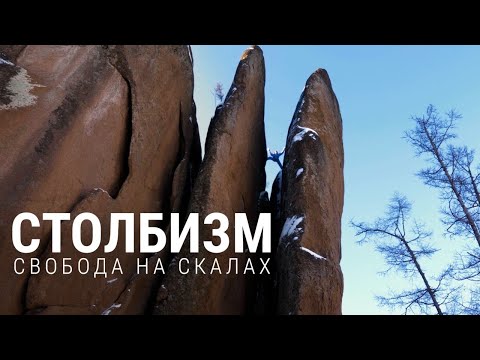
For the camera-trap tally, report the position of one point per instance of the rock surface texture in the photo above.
(91, 129)
(308, 255)
(230, 180)
(113, 129)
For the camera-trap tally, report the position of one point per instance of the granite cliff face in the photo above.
(99, 129)
(112, 129)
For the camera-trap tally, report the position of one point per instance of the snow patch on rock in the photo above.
(304, 131)
(5, 62)
(19, 86)
(314, 254)
(109, 310)
(292, 226)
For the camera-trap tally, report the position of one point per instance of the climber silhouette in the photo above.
(275, 156)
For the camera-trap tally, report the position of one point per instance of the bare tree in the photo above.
(473, 307)
(218, 93)
(452, 171)
(468, 180)
(403, 242)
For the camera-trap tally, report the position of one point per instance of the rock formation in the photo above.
(230, 180)
(308, 255)
(98, 129)
(112, 129)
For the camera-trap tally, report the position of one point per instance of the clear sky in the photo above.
(378, 88)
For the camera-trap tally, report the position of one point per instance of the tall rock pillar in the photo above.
(308, 256)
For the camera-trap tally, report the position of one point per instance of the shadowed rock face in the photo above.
(91, 129)
(230, 180)
(11, 52)
(308, 256)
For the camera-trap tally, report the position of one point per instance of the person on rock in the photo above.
(275, 156)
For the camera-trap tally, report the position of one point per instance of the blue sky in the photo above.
(378, 88)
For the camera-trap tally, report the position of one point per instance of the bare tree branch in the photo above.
(402, 253)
